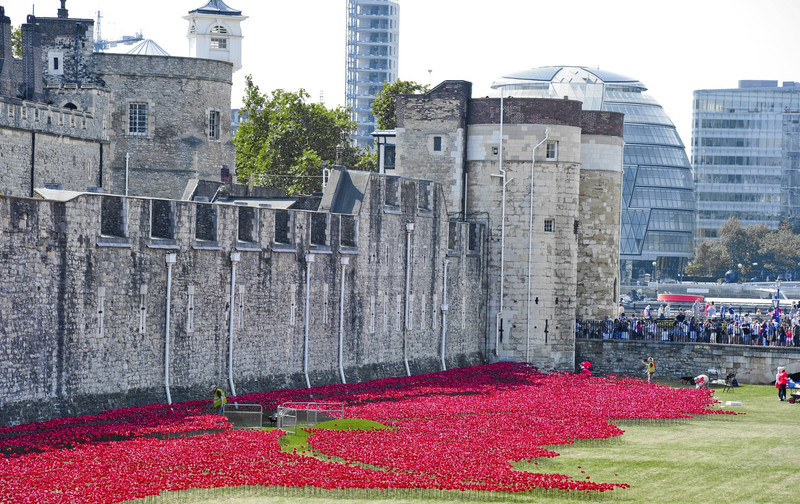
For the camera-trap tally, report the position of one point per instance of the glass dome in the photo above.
(658, 206)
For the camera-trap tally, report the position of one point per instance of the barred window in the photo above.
(552, 151)
(548, 225)
(137, 118)
(213, 125)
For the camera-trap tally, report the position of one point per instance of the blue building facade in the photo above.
(746, 155)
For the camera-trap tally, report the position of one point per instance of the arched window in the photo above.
(219, 42)
(71, 106)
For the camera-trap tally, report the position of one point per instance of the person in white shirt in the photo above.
(701, 381)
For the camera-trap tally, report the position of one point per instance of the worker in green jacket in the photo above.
(219, 399)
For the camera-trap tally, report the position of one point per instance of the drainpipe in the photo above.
(343, 261)
(309, 260)
(33, 162)
(127, 162)
(502, 174)
(409, 230)
(445, 308)
(530, 252)
(234, 261)
(171, 259)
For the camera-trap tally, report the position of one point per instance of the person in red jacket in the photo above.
(780, 383)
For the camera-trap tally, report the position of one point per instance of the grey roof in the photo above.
(345, 191)
(548, 73)
(217, 7)
(148, 47)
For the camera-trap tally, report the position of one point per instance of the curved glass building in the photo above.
(658, 205)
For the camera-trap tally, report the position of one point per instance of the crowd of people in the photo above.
(702, 322)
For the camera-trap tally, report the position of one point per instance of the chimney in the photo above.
(62, 12)
(31, 61)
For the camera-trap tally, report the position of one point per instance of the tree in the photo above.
(739, 246)
(775, 252)
(286, 141)
(778, 251)
(708, 260)
(16, 42)
(385, 103)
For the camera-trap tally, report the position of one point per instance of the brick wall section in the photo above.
(754, 365)
(594, 122)
(66, 282)
(525, 111)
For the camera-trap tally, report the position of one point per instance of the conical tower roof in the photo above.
(217, 7)
(148, 47)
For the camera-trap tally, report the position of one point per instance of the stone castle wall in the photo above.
(179, 94)
(550, 259)
(751, 364)
(599, 227)
(85, 301)
(548, 342)
(434, 138)
(74, 92)
(43, 144)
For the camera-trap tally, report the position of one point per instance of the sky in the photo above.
(673, 47)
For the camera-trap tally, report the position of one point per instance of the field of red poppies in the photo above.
(456, 430)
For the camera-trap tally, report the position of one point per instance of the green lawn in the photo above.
(716, 459)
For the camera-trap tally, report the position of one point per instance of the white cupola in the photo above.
(215, 33)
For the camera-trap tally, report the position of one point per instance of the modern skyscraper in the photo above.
(745, 152)
(658, 208)
(372, 43)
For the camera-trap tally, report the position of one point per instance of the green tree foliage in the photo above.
(758, 249)
(16, 41)
(286, 141)
(385, 103)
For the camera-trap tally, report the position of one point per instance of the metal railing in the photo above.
(244, 416)
(721, 331)
(292, 415)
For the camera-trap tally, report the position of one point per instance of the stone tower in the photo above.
(545, 177)
(215, 33)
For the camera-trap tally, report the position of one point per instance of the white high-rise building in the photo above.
(372, 43)
(215, 33)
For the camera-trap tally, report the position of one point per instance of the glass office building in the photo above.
(745, 151)
(658, 207)
(372, 43)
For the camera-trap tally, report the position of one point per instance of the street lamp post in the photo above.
(655, 274)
